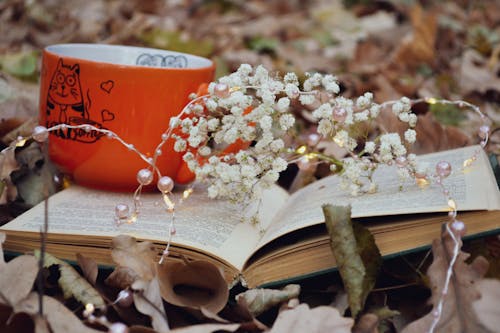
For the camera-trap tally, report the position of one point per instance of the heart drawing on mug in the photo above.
(106, 115)
(107, 86)
(157, 60)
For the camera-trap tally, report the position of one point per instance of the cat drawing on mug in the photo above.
(65, 92)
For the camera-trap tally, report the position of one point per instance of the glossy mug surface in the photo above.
(131, 91)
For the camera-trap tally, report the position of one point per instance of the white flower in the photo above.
(180, 145)
(292, 91)
(277, 145)
(312, 82)
(410, 135)
(231, 135)
(291, 78)
(364, 101)
(323, 111)
(306, 99)
(397, 108)
(341, 138)
(286, 121)
(361, 116)
(244, 70)
(283, 104)
(325, 127)
(211, 104)
(279, 164)
(374, 111)
(370, 147)
(266, 122)
(412, 122)
(404, 117)
(174, 122)
(213, 124)
(204, 151)
(330, 84)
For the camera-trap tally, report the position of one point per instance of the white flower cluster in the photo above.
(232, 138)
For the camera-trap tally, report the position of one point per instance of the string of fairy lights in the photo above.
(303, 156)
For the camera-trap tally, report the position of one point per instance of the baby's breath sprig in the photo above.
(233, 140)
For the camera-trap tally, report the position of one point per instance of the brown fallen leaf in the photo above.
(122, 277)
(476, 75)
(419, 46)
(139, 256)
(196, 284)
(458, 314)
(208, 328)
(259, 300)
(8, 164)
(17, 278)
(89, 268)
(59, 317)
(72, 283)
(2, 259)
(488, 306)
(148, 301)
(318, 320)
(368, 323)
(431, 135)
(356, 253)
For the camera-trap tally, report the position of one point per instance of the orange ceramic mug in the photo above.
(131, 91)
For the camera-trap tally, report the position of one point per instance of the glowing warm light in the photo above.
(339, 142)
(168, 202)
(233, 89)
(468, 162)
(452, 204)
(422, 183)
(301, 150)
(89, 308)
(21, 143)
(431, 100)
(187, 193)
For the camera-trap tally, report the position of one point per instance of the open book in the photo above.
(294, 242)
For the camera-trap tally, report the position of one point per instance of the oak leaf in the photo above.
(195, 284)
(17, 278)
(148, 301)
(72, 283)
(458, 314)
(357, 256)
(259, 300)
(59, 317)
(488, 306)
(317, 320)
(138, 256)
(89, 268)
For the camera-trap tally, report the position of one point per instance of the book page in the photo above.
(473, 189)
(212, 226)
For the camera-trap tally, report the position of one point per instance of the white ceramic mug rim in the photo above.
(129, 56)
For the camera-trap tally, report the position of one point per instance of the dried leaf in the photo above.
(487, 308)
(122, 277)
(196, 284)
(356, 254)
(35, 177)
(475, 75)
(8, 164)
(59, 317)
(318, 320)
(431, 136)
(148, 301)
(89, 268)
(458, 314)
(368, 323)
(139, 256)
(207, 328)
(72, 283)
(17, 278)
(259, 300)
(21, 64)
(418, 47)
(2, 260)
